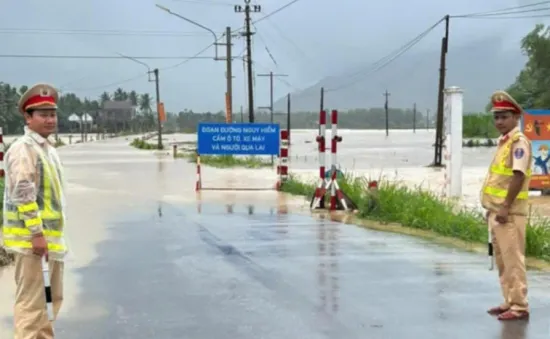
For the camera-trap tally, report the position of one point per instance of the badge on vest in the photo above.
(519, 153)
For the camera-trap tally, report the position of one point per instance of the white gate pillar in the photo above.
(453, 140)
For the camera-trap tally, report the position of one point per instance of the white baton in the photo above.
(47, 287)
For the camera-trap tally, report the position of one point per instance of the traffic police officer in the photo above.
(34, 215)
(504, 195)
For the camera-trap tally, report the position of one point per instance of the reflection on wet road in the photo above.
(241, 271)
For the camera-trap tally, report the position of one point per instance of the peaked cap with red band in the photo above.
(503, 102)
(39, 96)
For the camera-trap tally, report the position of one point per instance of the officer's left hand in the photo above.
(502, 215)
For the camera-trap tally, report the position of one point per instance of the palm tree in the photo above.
(120, 95)
(133, 97)
(105, 96)
(23, 89)
(145, 108)
(145, 102)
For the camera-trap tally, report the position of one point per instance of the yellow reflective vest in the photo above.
(45, 213)
(499, 176)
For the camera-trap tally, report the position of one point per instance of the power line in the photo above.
(276, 11)
(120, 82)
(501, 10)
(265, 46)
(38, 31)
(106, 57)
(501, 14)
(196, 55)
(385, 61)
(206, 2)
(269, 14)
(291, 42)
(506, 17)
(256, 63)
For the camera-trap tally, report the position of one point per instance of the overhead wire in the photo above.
(291, 42)
(266, 47)
(268, 15)
(195, 56)
(500, 10)
(506, 17)
(205, 2)
(186, 59)
(41, 31)
(120, 82)
(276, 78)
(137, 76)
(102, 57)
(386, 60)
(276, 11)
(495, 14)
(502, 14)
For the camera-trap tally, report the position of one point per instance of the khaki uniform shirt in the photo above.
(521, 152)
(23, 175)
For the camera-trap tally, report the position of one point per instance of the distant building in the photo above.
(116, 115)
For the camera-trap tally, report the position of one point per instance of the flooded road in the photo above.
(240, 272)
(151, 261)
(402, 157)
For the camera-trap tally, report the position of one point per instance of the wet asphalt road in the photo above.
(170, 272)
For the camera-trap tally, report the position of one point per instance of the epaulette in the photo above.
(517, 136)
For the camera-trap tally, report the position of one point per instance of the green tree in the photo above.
(531, 89)
(133, 97)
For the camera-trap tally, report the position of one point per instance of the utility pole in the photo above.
(322, 108)
(288, 120)
(247, 9)
(427, 120)
(386, 94)
(159, 122)
(441, 88)
(229, 75)
(414, 118)
(271, 75)
(242, 114)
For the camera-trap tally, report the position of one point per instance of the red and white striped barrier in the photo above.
(318, 197)
(198, 184)
(2, 148)
(282, 168)
(336, 194)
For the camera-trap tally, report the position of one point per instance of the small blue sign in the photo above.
(238, 139)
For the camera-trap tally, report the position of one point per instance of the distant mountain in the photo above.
(478, 68)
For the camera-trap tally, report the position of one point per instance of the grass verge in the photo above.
(143, 144)
(479, 143)
(422, 210)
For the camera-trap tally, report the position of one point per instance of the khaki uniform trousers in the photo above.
(30, 315)
(509, 252)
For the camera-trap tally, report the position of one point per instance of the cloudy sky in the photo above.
(308, 40)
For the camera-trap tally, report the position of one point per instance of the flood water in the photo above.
(403, 156)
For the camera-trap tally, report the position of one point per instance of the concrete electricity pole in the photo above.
(386, 108)
(229, 76)
(442, 73)
(247, 9)
(427, 120)
(271, 75)
(159, 122)
(414, 118)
